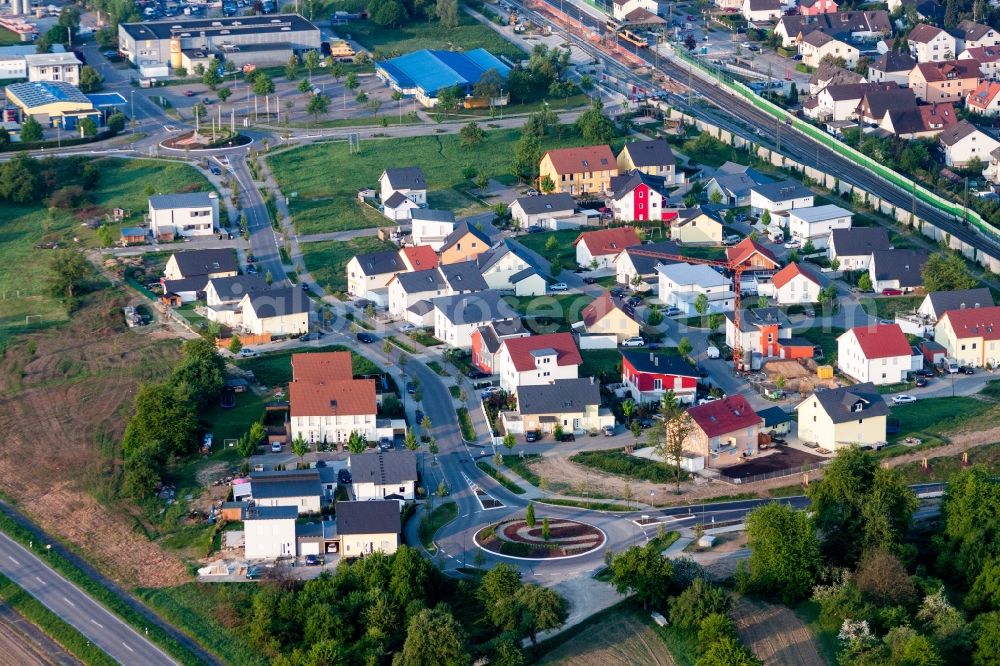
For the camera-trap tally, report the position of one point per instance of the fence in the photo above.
(245, 340)
(776, 474)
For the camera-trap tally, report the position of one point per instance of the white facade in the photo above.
(333, 429)
(797, 290)
(400, 301)
(975, 145)
(498, 275)
(190, 216)
(294, 323)
(53, 67)
(269, 538)
(851, 360)
(361, 285)
(430, 232)
(546, 371)
(941, 46)
(760, 202)
(369, 490)
(456, 335)
(626, 7)
(302, 503)
(417, 196)
(356, 545)
(680, 285)
(815, 223)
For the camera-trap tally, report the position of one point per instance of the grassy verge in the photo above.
(616, 461)
(54, 626)
(929, 419)
(456, 392)
(593, 506)
(468, 34)
(424, 338)
(402, 345)
(827, 339)
(465, 422)
(434, 521)
(943, 468)
(598, 362)
(500, 478)
(886, 308)
(826, 638)
(520, 467)
(436, 367)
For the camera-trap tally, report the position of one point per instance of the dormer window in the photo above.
(858, 406)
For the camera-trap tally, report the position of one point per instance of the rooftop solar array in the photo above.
(34, 94)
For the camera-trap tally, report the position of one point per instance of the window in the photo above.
(657, 384)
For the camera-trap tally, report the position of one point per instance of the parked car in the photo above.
(672, 311)
(476, 374)
(609, 431)
(791, 244)
(411, 388)
(315, 335)
(254, 573)
(216, 171)
(558, 286)
(406, 328)
(305, 286)
(313, 561)
(490, 390)
(567, 437)
(731, 239)
(275, 447)
(921, 382)
(366, 338)
(635, 300)
(385, 443)
(418, 415)
(967, 370)
(903, 399)
(645, 422)
(892, 292)
(531, 436)
(189, 93)
(634, 342)
(344, 476)
(707, 399)
(246, 352)
(535, 229)
(531, 192)
(926, 372)
(362, 303)
(589, 280)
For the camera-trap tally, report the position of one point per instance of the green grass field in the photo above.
(23, 269)
(935, 416)
(8, 38)
(602, 361)
(326, 260)
(886, 308)
(827, 339)
(565, 251)
(469, 34)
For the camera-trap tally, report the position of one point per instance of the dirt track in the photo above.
(776, 635)
(623, 642)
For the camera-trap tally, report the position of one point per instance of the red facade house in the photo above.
(649, 375)
(639, 197)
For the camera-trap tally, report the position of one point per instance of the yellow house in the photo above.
(367, 527)
(465, 243)
(604, 317)
(694, 226)
(52, 103)
(847, 416)
(971, 335)
(571, 404)
(650, 157)
(579, 170)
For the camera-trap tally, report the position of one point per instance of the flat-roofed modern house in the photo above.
(268, 531)
(52, 103)
(53, 67)
(815, 223)
(186, 215)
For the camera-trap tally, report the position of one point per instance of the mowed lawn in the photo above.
(470, 34)
(326, 178)
(930, 418)
(327, 260)
(9, 38)
(565, 251)
(23, 269)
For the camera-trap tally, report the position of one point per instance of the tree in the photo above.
(793, 94)
(434, 638)
(728, 652)
(224, 94)
(784, 551)
(594, 126)
(262, 84)
(715, 197)
(971, 516)
(471, 134)
(672, 432)
(698, 601)
(715, 320)
(509, 441)
(351, 82)
(88, 128)
(546, 185)
(448, 98)
(300, 446)
(447, 13)
(498, 584)
(292, 67)
(542, 609)
(374, 105)
(527, 155)
(425, 423)
(701, 304)
(529, 516)
(235, 344)
(31, 130)
(713, 628)
(211, 78)
(488, 85)
(865, 282)
(90, 79)
(311, 61)
(356, 443)
(684, 347)
(689, 42)
(987, 631)
(947, 273)
(643, 572)
(19, 182)
(410, 440)
(361, 97)
(68, 271)
(883, 579)
(304, 86)
(765, 218)
(628, 409)
(116, 122)
(386, 13)
(318, 105)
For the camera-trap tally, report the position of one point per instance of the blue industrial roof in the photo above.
(432, 71)
(39, 93)
(105, 100)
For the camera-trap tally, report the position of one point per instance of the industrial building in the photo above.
(159, 47)
(423, 74)
(52, 103)
(13, 63)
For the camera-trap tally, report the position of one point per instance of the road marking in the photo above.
(127, 646)
(69, 602)
(40, 580)
(97, 623)
(13, 560)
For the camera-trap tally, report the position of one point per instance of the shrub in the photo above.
(515, 549)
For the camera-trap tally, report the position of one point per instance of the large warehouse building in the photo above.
(424, 74)
(158, 47)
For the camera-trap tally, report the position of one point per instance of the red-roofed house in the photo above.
(879, 354)
(949, 81)
(723, 430)
(419, 257)
(603, 246)
(326, 403)
(794, 284)
(537, 359)
(971, 335)
(985, 99)
(817, 7)
(579, 170)
(752, 255)
(606, 317)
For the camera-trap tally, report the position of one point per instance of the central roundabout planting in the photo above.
(544, 540)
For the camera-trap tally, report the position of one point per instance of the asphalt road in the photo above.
(98, 624)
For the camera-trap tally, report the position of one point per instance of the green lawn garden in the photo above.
(565, 252)
(326, 260)
(9, 38)
(886, 308)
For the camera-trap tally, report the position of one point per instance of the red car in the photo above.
(189, 93)
(892, 292)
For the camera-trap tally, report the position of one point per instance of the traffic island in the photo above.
(206, 140)
(542, 541)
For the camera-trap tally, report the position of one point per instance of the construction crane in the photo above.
(734, 268)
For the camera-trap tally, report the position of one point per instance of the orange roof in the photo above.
(983, 95)
(520, 350)
(597, 310)
(882, 341)
(321, 366)
(785, 275)
(975, 322)
(745, 249)
(608, 241)
(420, 257)
(335, 397)
(581, 160)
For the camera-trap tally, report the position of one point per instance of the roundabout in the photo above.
(194, 140)
(516, 539)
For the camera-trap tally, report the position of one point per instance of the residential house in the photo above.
(827, 74)
(992, 170)
(988, 58)
(752, 256)
(638, 197)
(654, 158)
(681, 285)
(723, 429)
(694, 226)
(897, 269)
(571, 404)
(964, 144)
(53, 67)
(817, 7)
(761, 10)
(817, 45)
(487, 340)
(507, 267)
(648, 375)
(187, 215)
(849, 26)
(635, 267)
(927, 10)
(463, 277)
(398, 207)
(879, 354)
(936, 303)
(405, 290)
(606, 316)
(408, 181)
(377, 475)
(457, 316)
(814, 224)
(766, 332)
(537, 359)
(733, 182)
(576, 171)
(838, 102)
(892, 67)
(464, 243)
(776, 421)
(985, 100)
(268, 531)
(367, 527)
(186, 274)
(919, 122)
(632, 11)
(794, 284)
(847, 416)
(881, 99)
(853, 248)
(418, 257)
(431, 227)
(299, 489)
(602, 246)
(971, 35)
(779, 197)
(223, 297)
(552, 211)
(929, 43)
(944, 81)
(368, 274)
(971, 336)
(326, 402)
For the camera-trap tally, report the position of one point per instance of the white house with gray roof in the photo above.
(368, 274)
(280, 312)
(572, 404)
(816, 222)
(897, 269)
(507, 267)
(408, 181)
(853, 248)
(552, 211)
(407, 289)
(431, 227)
(779, 197)
(457, 316)
(189, 214)
(384, 475)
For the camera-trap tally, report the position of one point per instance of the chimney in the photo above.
(651, 355)
(591, 381)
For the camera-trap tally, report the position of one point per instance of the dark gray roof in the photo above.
(895, 61)
(955, 133)
(774, 415)
(395, 199)
(902, 265)
(380, 263)
(279, 302)
(269, 512)
(622, 185)
(753, 318)
(460, 232)
(644, 263)
(297, 483)
(942, 301)
(495, 332)
(432, 215)
(546, 203)
(371, 517)
(650, 153)
(406, 178)
(860, 241)
(421, 307)
(561, 396)
(216, 26)
(203, 262)
(523, 275)
(463, 276)
(478, 307)
(486, 260)
(233, 288)
(666, 364)
(840, 403)
(415, 282)
(892, 97)
(182, 200)
(196, 283)
(384, 468)
(827, 72)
